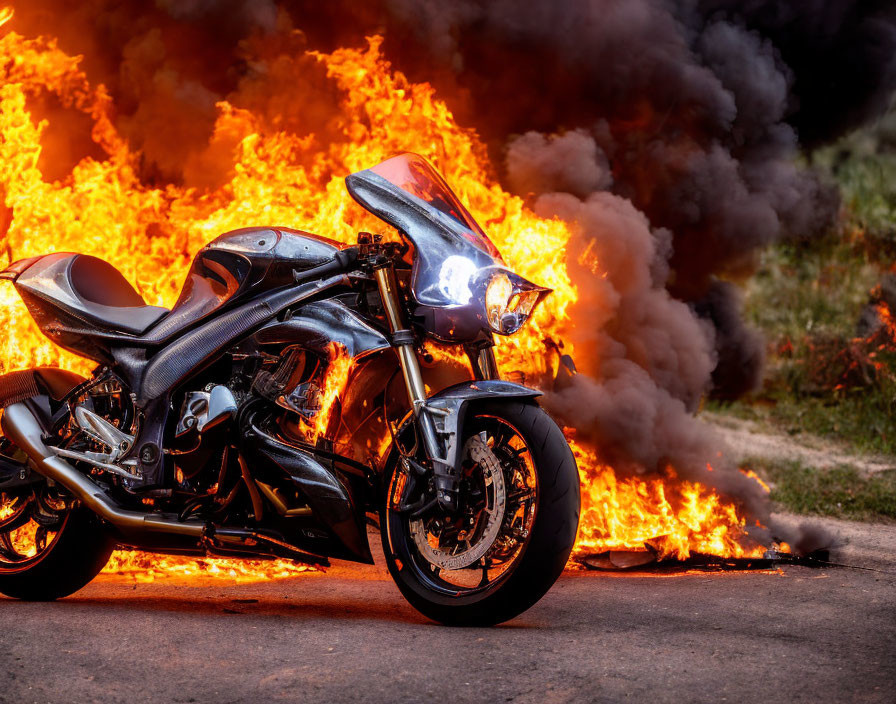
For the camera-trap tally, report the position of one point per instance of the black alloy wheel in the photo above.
(513, 533)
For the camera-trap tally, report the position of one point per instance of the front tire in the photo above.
(540, 557)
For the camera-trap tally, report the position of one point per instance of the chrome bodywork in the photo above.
(316, 325)
(206, 409)
(448, 406)
(454, 260)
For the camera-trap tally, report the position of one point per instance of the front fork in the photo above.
(445, 473)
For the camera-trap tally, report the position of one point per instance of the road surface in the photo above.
(794, 634)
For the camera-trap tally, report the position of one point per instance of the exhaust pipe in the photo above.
(21, 427)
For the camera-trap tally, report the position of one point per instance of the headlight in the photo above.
(497, 299)
(509, 303)
(454, 279)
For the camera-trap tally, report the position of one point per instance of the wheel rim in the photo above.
(29, 527)
(471, 552)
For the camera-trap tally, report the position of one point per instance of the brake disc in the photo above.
(496, 497)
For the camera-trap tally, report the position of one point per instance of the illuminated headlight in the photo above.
(508, 305)
(454, 279)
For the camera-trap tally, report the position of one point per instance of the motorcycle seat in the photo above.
(90, 289)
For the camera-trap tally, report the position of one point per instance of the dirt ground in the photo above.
(747, 439)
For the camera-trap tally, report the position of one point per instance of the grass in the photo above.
(862, 423)
(864, 166)
(821, 378)
(807, 297)
(811, 288)
(840, 491)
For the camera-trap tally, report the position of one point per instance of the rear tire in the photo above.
(79, 552)
(543, 556)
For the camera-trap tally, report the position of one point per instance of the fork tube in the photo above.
(402, 337)
(403, 341)
(488, 365)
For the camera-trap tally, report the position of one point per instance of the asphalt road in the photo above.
(794, 634)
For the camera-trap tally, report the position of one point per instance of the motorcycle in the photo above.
(213, 429)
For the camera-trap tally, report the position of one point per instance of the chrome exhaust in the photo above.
(21, 427)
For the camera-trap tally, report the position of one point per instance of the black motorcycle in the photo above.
(210, 429)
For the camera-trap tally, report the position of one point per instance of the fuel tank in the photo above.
(239, 265)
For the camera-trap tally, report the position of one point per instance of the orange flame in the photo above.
(673, 517)
(756, 478)
(888, 322)
(147, 567)
(150, 234)
(334, 382)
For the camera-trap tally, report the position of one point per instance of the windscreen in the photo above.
(413, 174)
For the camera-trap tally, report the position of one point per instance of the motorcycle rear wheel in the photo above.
(529, 565)
(47, 552)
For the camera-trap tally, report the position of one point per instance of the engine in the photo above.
(284, 390)
(294, 382)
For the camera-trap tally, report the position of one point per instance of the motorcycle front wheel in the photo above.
(513, 532)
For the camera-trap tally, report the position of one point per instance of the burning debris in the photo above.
(648, 561)
(878, 317)
(840, 364)
(627, 155)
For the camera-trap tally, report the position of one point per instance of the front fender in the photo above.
(448, 407)
(486, 388)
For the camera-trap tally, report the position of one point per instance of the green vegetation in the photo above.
(827, 373)
(841, 491)
(864, 166)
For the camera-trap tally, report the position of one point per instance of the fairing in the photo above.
(454, 260)
(416, 177)
(316, 325)
(437, 237)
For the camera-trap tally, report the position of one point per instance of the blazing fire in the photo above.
(672, 517)
(845, 365)
(146, 567)
(335, 379)
(150, 234)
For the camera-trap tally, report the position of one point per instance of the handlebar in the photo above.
(343, 261)
(370, 251)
